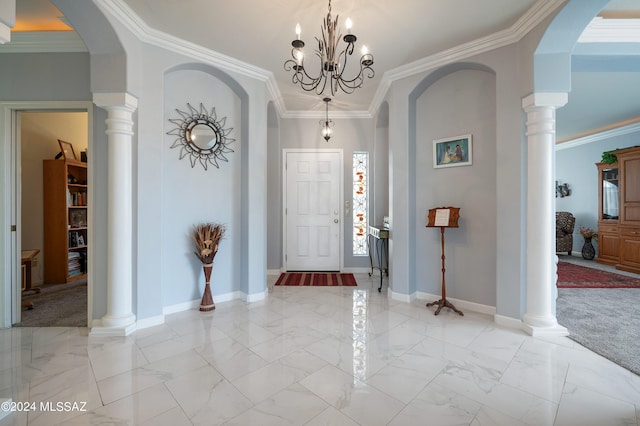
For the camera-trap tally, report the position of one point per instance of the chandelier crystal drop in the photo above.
(333, 61)
(326, 124)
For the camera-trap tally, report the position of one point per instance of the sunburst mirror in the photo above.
(201, 136)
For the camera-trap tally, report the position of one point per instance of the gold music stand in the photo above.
(443, 217)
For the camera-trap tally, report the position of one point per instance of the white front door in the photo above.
(312, 210)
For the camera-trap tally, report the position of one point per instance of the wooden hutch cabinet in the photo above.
(619, 211)
(608, 214)
(65, 221)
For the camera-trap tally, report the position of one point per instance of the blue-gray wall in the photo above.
(471, 248)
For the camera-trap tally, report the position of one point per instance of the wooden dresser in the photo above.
(619, 211)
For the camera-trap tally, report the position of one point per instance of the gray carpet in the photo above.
(57, 305)
(604, 320)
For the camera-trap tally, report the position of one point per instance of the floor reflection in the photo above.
(359, 336)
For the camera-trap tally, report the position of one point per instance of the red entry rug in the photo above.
(319, 279)
(575, 276)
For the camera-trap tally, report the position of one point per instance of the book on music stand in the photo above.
(443, 217)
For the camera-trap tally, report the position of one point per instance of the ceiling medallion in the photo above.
(333, 62)
(201, 136)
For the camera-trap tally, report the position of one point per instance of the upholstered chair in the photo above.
(565, 222)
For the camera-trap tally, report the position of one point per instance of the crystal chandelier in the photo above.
(333, 62)
(326, 124)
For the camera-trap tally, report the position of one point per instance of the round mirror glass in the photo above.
(203, 136)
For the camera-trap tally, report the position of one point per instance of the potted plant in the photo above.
(206, 237)
(588, 252)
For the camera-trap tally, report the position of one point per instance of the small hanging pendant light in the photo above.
(326, 124)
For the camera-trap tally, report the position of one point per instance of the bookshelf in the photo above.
(65, 221)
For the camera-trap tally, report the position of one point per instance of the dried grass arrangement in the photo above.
(206, 237)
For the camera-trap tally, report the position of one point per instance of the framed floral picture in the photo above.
(452, 152)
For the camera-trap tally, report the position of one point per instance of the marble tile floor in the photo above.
(313, 356)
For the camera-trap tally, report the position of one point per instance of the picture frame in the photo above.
(67, 150)
(453, 152)
(78, 218)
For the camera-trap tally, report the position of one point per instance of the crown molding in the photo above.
(601, 30)
(534, 16)
(44, 42)
(620, 130)
(119, 10)
(538, 12)
(321, 115)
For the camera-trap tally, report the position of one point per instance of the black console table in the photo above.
(379, 235)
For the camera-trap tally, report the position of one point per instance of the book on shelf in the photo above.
(76, 263)
(79, 198)
(76, 239)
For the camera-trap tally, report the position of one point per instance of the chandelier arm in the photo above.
(300, 74)
(322, 80)
(349, 48)
(342, 59)
(365, 71)
(309, 83)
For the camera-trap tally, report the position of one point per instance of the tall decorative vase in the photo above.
(207, 299)
(588, 251)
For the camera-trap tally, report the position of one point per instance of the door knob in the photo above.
(335, 220)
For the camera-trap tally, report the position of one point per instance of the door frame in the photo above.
(340, 153)
(11, 194)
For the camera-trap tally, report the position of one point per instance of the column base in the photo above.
(110, 326)
(543, 326)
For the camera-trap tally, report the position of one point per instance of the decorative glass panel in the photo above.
(360, 202)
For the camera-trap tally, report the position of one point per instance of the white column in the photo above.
(539, 318)
(119, 319)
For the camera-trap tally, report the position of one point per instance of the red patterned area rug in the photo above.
(575, 276)
(319, 279)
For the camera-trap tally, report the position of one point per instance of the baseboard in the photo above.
(509, 322)
(218, 298)
(401, 297)
(150, 322)
(358, 270)
(255, 297)
(460, 304)
(180, 307)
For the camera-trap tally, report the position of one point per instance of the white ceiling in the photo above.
(260, 32)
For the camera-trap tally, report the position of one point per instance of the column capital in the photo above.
(554, 100)
(115, 99)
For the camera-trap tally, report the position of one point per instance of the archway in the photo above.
(465, 85)
(552, 82)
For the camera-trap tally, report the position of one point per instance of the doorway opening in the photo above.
(51, 204)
